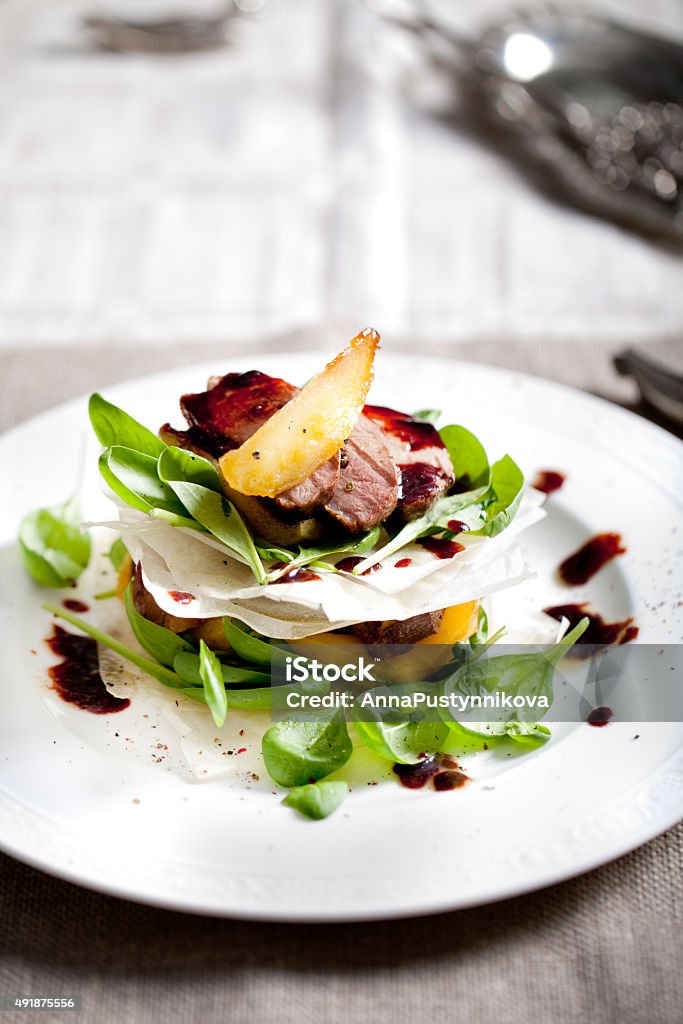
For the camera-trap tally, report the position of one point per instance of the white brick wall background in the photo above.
(283, 182)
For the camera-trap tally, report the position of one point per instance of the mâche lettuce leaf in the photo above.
(54, 550)
(296, 752)
(317, 800)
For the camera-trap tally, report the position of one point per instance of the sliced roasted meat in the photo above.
(149, 609)
(233, 408)
(367, 490)
(313, 492)
(270, 521)
(420, 454)
(196, 440)
(399, 631)
(236, 405)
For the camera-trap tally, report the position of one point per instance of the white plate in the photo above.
(101, 810)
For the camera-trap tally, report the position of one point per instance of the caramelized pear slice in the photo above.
(309, 429)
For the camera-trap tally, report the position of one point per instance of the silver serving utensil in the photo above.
(164, 35)
(658, 372)
(595, 106)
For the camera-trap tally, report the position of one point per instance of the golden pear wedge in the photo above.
(307, 431)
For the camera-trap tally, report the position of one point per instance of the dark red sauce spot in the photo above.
(462, 484)
(403, 563)
(584, 563)
(76, 679)
(73, 605)
(299, 574)
(203, 440)
(449, 780)
(548, 480)
(180, 597)
(417, 434)
(419, 481)
(350, 563)
(600, 716)
(416, 776)
(599, 632)
(440, 547)
(457, 526)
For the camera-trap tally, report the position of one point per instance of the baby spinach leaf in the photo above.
(115, 428)
(117, 553)
(314, 554)
(273, 554)
(523, 733)
(428, 415)
(403, 735)
(468, 456)
(297, 752)
(402, 741)
(259, 699)
(484, 735)
(317, 800)
(158, 641)
(158, 672)
(212, 681)
(529, 675)
(482, 634)
(173, 519)
(249, 645)
(186, 664)
(220, 517)
(176, 464)
(133, 477)
(507, 484)
(53, 549)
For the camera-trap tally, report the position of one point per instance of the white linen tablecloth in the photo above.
(282, 182)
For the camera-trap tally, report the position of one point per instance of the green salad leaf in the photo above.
(53, 549)
(312, 554)
(246, 644)
(404, 735)
(317, 800)
(428, 415)
(212, 681)
(298, 752)
(219, 516)
(507, 484)
(528, 675)
(117, 553)
(158, 641)
(177, 465)
(482, 634)
(115, 428)
(469, 458)
(258, 699)
(433, 520)
(133, 477)
(186, 664)
(402, 741)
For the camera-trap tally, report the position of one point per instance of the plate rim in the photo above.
(638, 837)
